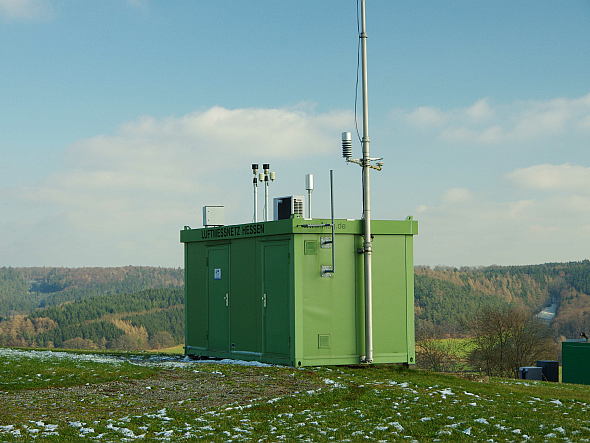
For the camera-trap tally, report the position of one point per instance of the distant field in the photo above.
(463, 345)
(174, 350)
(57, 396)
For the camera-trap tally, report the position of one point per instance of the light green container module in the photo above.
(257, 292)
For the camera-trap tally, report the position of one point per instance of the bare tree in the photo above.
(435, 353)
(504, 339)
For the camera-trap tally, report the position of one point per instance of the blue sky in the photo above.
(120, 119)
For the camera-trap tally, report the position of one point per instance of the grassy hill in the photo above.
(67, 397)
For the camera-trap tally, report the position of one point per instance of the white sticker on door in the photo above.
(217, 274)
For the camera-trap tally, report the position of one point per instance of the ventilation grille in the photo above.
(297, 206)
(323, 341)
(287, 207)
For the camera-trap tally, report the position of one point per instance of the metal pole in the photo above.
(367, 244)
(255, 200)
(266, 197)
(333, 227)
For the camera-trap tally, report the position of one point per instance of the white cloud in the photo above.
(457, 195)
(521, 121)
(566, 177)
(131, 192)
(26, 10)
(480, 110)
(463, 134)
(521, 210)
(481, 231)
(426, 116)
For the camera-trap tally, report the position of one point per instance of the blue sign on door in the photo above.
(217, 274)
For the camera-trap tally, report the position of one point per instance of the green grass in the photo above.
(364, 403)
(463, 345)
(41, 369)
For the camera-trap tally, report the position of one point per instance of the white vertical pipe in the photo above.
(309, 187)
(367, 244)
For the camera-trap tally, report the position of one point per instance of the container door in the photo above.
(218, 297)
(276, 323)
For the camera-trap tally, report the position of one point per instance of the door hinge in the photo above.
(264, 300)
(206, 261)
(288, 257)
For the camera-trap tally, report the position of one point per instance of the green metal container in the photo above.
(575, 361)
(257, 292)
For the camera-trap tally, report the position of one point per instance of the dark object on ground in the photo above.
(550, 369)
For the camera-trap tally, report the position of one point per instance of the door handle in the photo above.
(264, 300)
(226, 299)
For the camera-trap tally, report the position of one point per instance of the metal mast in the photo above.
(366, 165)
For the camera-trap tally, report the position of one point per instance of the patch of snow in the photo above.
(333, 383)
(548, 313)
(397, 426)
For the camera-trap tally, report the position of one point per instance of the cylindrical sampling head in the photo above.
(261, 177)
(255, 168)
(346, 145)
(266, 167)
(272, 176)
(309, 182)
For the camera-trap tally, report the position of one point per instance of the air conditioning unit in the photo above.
(285, 207)
(213, 216)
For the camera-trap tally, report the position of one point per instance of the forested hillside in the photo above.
(149, 319)
(24, 289)
(443, 295)
(114, 307)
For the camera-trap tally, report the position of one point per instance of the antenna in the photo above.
(309, 187)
